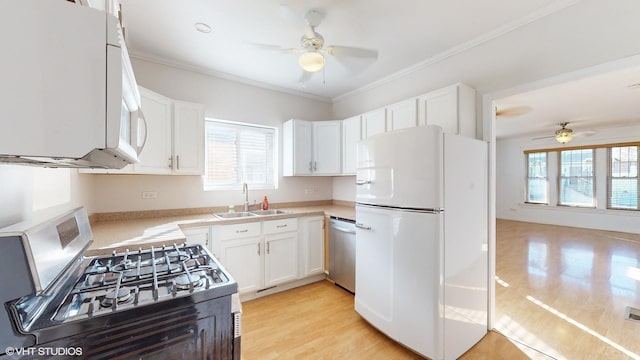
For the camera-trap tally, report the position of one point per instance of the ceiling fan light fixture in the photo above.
(311, 61)
(563, 135)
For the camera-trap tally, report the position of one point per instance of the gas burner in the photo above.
(122, 296)
(182, 282)
(179, 256)
(123, 265)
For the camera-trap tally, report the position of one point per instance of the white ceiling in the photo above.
(406, 33)
(588, 104)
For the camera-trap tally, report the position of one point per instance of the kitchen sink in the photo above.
(268, 212)
(233, 215)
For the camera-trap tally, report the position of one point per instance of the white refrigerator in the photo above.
(421, 239)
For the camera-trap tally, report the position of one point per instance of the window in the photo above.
(237, 153)
(623, 178)
(576, 178)
(537, 178)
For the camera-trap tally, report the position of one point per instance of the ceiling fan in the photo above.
(564, 134)
(312, 46)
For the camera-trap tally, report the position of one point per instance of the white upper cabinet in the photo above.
(311, 148)
(374, 122)
(188, 138)
(402, 115)
(351, 134)
(175, 141)
(327, 145)
(155, 158)
(453, 108)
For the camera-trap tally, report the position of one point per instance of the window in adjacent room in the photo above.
(537, 182)
(576, 182)
(237, 153)
(623, 178)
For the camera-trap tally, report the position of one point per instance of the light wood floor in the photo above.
(565, 294)
(564, 290)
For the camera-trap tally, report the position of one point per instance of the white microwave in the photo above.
(69, 97)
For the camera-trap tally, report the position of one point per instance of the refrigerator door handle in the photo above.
(363, 182)
(363, 227)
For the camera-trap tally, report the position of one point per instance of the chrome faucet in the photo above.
(245, 191)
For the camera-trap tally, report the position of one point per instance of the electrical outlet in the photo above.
(149, 194)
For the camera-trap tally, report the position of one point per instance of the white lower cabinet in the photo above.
(258, 255)
(311, 232)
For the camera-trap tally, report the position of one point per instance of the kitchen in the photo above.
(227, 99)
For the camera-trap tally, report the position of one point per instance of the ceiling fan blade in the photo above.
(276, 48)
(353, 52)
(543, 137)
(585, 133)
(514, 110)
(298, 20)
(305, 77)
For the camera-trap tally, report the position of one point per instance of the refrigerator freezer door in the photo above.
(401, 169)
(398, 275)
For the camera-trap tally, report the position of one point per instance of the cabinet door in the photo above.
(156, 155)
(198, 235)
(296, 148)
(280, 258)
(374, 122)
(188, 138)
(351, 134)
(242, 258)
(327, 144)
(313, 242)
(440, 108)
(403, 115)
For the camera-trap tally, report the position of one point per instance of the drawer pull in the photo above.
(281, 226)
(242, 231)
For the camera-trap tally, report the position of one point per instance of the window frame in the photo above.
(593, 179)
(528, 178)
(610, 177)
(208, 186)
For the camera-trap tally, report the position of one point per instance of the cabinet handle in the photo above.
(310, 166)
(178, 161)
(361, 226)
(170, 161)
(242, 231)
(281, 226)
(258, 249)
(315, 165)
(268, 246)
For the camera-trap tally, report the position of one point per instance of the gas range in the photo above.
(168, 302)
(124, 281)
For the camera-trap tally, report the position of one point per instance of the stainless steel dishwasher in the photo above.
(342, 253)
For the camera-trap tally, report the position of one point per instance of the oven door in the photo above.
(168, 330)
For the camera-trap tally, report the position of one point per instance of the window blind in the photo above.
(622, 179)
(237, 153)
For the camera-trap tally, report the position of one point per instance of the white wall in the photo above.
(510, 181)
(26, 191)
(223, 99)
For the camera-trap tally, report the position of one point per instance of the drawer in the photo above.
(236, 231)
(282, 225)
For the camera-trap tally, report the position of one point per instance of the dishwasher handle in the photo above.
(348, 231)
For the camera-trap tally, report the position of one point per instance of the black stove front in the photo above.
(160, 303)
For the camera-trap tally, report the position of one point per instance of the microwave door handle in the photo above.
(146, 128)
